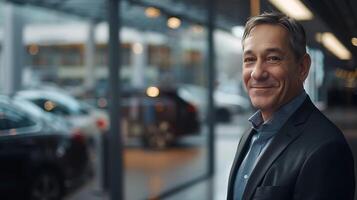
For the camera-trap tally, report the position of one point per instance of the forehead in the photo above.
(266, 36)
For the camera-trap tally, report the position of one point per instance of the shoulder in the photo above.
(323, 144)
(315, 130)
(320, 126)
(319, 134)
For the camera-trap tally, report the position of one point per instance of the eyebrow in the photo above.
(269, 50)
(274, 50)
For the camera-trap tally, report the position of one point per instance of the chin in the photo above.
(262, 106)
(262, 103)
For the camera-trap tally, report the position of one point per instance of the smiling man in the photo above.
(292, 152)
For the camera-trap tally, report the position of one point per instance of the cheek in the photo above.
(280, 77)
(246, 76)
(289, 79)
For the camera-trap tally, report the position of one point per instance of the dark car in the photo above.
(39, 158)
(156, 115)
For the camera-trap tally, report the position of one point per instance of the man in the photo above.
(293, 152)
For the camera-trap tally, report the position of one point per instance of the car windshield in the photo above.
(37, 112)
(13, 117)
(55, 102)
(29, 107)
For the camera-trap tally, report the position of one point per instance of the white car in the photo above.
(90, 120)
(226, 103)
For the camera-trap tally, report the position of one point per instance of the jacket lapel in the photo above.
(288, 133)
(241, 151)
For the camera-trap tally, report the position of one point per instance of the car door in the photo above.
(14, 148)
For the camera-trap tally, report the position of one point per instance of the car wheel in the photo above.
(158, 136)
(46, 185)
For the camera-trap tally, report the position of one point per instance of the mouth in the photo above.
(262, 90)
(261, 87)
(266, 85)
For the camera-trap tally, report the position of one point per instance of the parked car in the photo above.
(90, 120)
(156, 115)
(56, 121)
(226, 103)
(40, 159)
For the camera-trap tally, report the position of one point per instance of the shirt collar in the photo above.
(279, 117)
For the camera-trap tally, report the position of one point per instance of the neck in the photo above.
(266, 115)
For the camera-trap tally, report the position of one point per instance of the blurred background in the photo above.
(156, 112)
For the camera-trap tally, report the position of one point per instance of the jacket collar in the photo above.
(287, 134)
(241, 151)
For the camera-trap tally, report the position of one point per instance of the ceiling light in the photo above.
(137, 48)
(152, 12)
(331, 43)
(152, 91)
(318, 37)
(49, 105)
(293, 8)
(354, 41)
(33, 49)
(173, 22)
(197, 28)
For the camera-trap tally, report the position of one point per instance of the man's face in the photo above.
(271, 74)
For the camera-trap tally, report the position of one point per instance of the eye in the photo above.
(273, 59)
(248, 60)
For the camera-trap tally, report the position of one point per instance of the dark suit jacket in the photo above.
(308, 159)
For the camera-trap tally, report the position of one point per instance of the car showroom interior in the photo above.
(144, 99)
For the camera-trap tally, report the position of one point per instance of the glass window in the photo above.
(12, 119)
(165, 132)
(59, 108)
(159, 56)
(47, 55)
(102, 54)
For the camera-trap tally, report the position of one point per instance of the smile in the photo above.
(262, 87)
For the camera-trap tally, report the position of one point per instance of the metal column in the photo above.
(12, 51)
(139, 60)
(254, 7)
(211, 81)
(116, 169)
(89, 57)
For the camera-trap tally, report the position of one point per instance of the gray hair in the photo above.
(297, 35)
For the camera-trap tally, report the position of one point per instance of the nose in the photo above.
(259, 72)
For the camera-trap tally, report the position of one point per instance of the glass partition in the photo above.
(163, 119)
(64, 79)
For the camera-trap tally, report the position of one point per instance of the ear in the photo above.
(304, 68)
